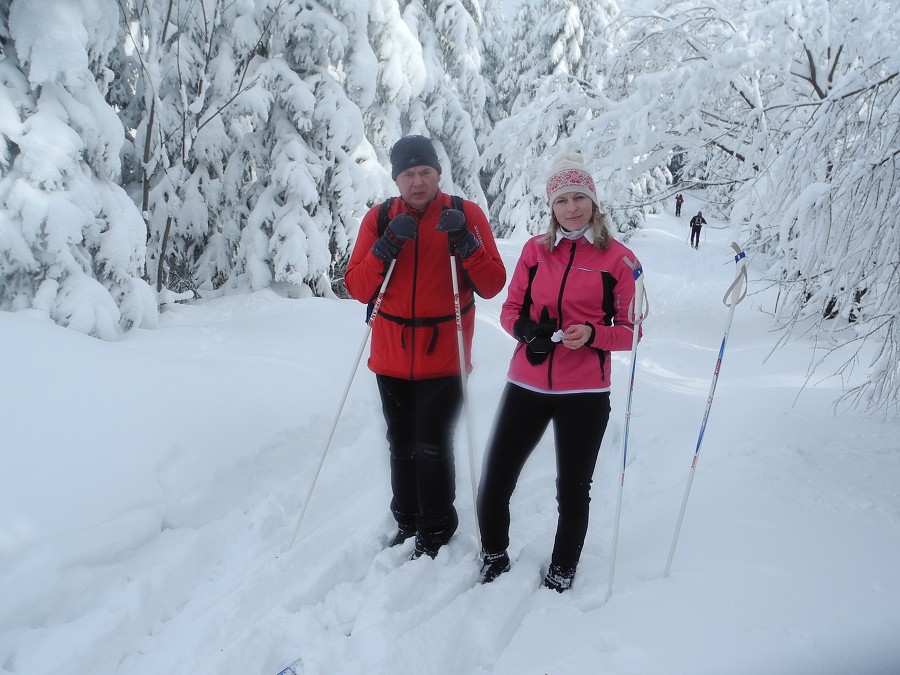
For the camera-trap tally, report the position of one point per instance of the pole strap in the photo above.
(738, 288)
(640, 294)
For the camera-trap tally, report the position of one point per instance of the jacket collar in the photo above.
(588, 234)
(439, 200)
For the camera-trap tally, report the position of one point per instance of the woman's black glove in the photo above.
(453, 222)
(401, 228)
(536, 337)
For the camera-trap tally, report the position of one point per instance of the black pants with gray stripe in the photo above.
(579, 422)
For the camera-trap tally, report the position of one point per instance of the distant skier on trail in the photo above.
(679, 200)
(696, 223)
(567, 306)
(414, 352)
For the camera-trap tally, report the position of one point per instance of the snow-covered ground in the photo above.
(150, 487)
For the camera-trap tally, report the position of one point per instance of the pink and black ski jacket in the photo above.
(577, 283)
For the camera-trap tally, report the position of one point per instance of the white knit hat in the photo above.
(569, 174)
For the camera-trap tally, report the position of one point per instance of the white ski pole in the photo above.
(637, 312)
(737, 291)
(375, 307)
(461, 347)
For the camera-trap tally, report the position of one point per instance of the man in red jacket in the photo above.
(414, 352)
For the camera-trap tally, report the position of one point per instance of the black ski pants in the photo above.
(695, 236)
(579, 422)
(421, 417)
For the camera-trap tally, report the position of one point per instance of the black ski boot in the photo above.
(492, 566)
(404, 532)
(430, 543)
(559, 578)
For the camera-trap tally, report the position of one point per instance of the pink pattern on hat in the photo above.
(569, 174)
(569, 180)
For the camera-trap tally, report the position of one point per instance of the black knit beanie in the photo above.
(412, 151)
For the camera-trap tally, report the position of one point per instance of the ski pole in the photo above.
(460, 343)
(637, 312)
(737, 291)
(375, 307)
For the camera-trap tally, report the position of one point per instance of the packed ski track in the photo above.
(786, 562)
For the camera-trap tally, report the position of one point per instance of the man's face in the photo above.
(418, 185)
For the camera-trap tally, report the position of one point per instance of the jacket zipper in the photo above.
(412, 360)
(559, 312)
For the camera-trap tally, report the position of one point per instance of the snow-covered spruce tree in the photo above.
(494, 34)
(399, 80)
(244, 144)
(71, 241)
(455, 93)
(303, 205)
(519, 150)
(554, 37)
(430, 82)
(189, 74)
(554, 82)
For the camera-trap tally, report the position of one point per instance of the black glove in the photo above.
(536, 337)
(453, 222)
(401, 228)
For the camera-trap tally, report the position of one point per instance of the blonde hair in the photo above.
(599, 223)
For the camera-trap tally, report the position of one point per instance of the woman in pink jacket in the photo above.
(568, 308)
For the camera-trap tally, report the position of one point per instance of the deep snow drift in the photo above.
(149, 487)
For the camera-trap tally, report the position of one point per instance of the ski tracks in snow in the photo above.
(411, 616)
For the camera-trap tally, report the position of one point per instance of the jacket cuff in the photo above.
(593, 333)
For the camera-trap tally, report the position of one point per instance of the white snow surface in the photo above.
(149, 489)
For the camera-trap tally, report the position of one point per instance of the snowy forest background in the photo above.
(153, 151)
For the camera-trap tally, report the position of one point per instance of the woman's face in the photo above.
(573, 210)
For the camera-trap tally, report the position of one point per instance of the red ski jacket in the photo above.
(414, 335)
(576, 283)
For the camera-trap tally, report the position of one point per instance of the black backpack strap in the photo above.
(383, 215)
(383, 221)
(455, 201)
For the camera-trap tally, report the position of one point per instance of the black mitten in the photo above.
(536, 337)
(402, 228)
(453, 222)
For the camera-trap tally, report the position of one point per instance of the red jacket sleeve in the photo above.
(365, 272)
(515, 298)
(484, 268)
